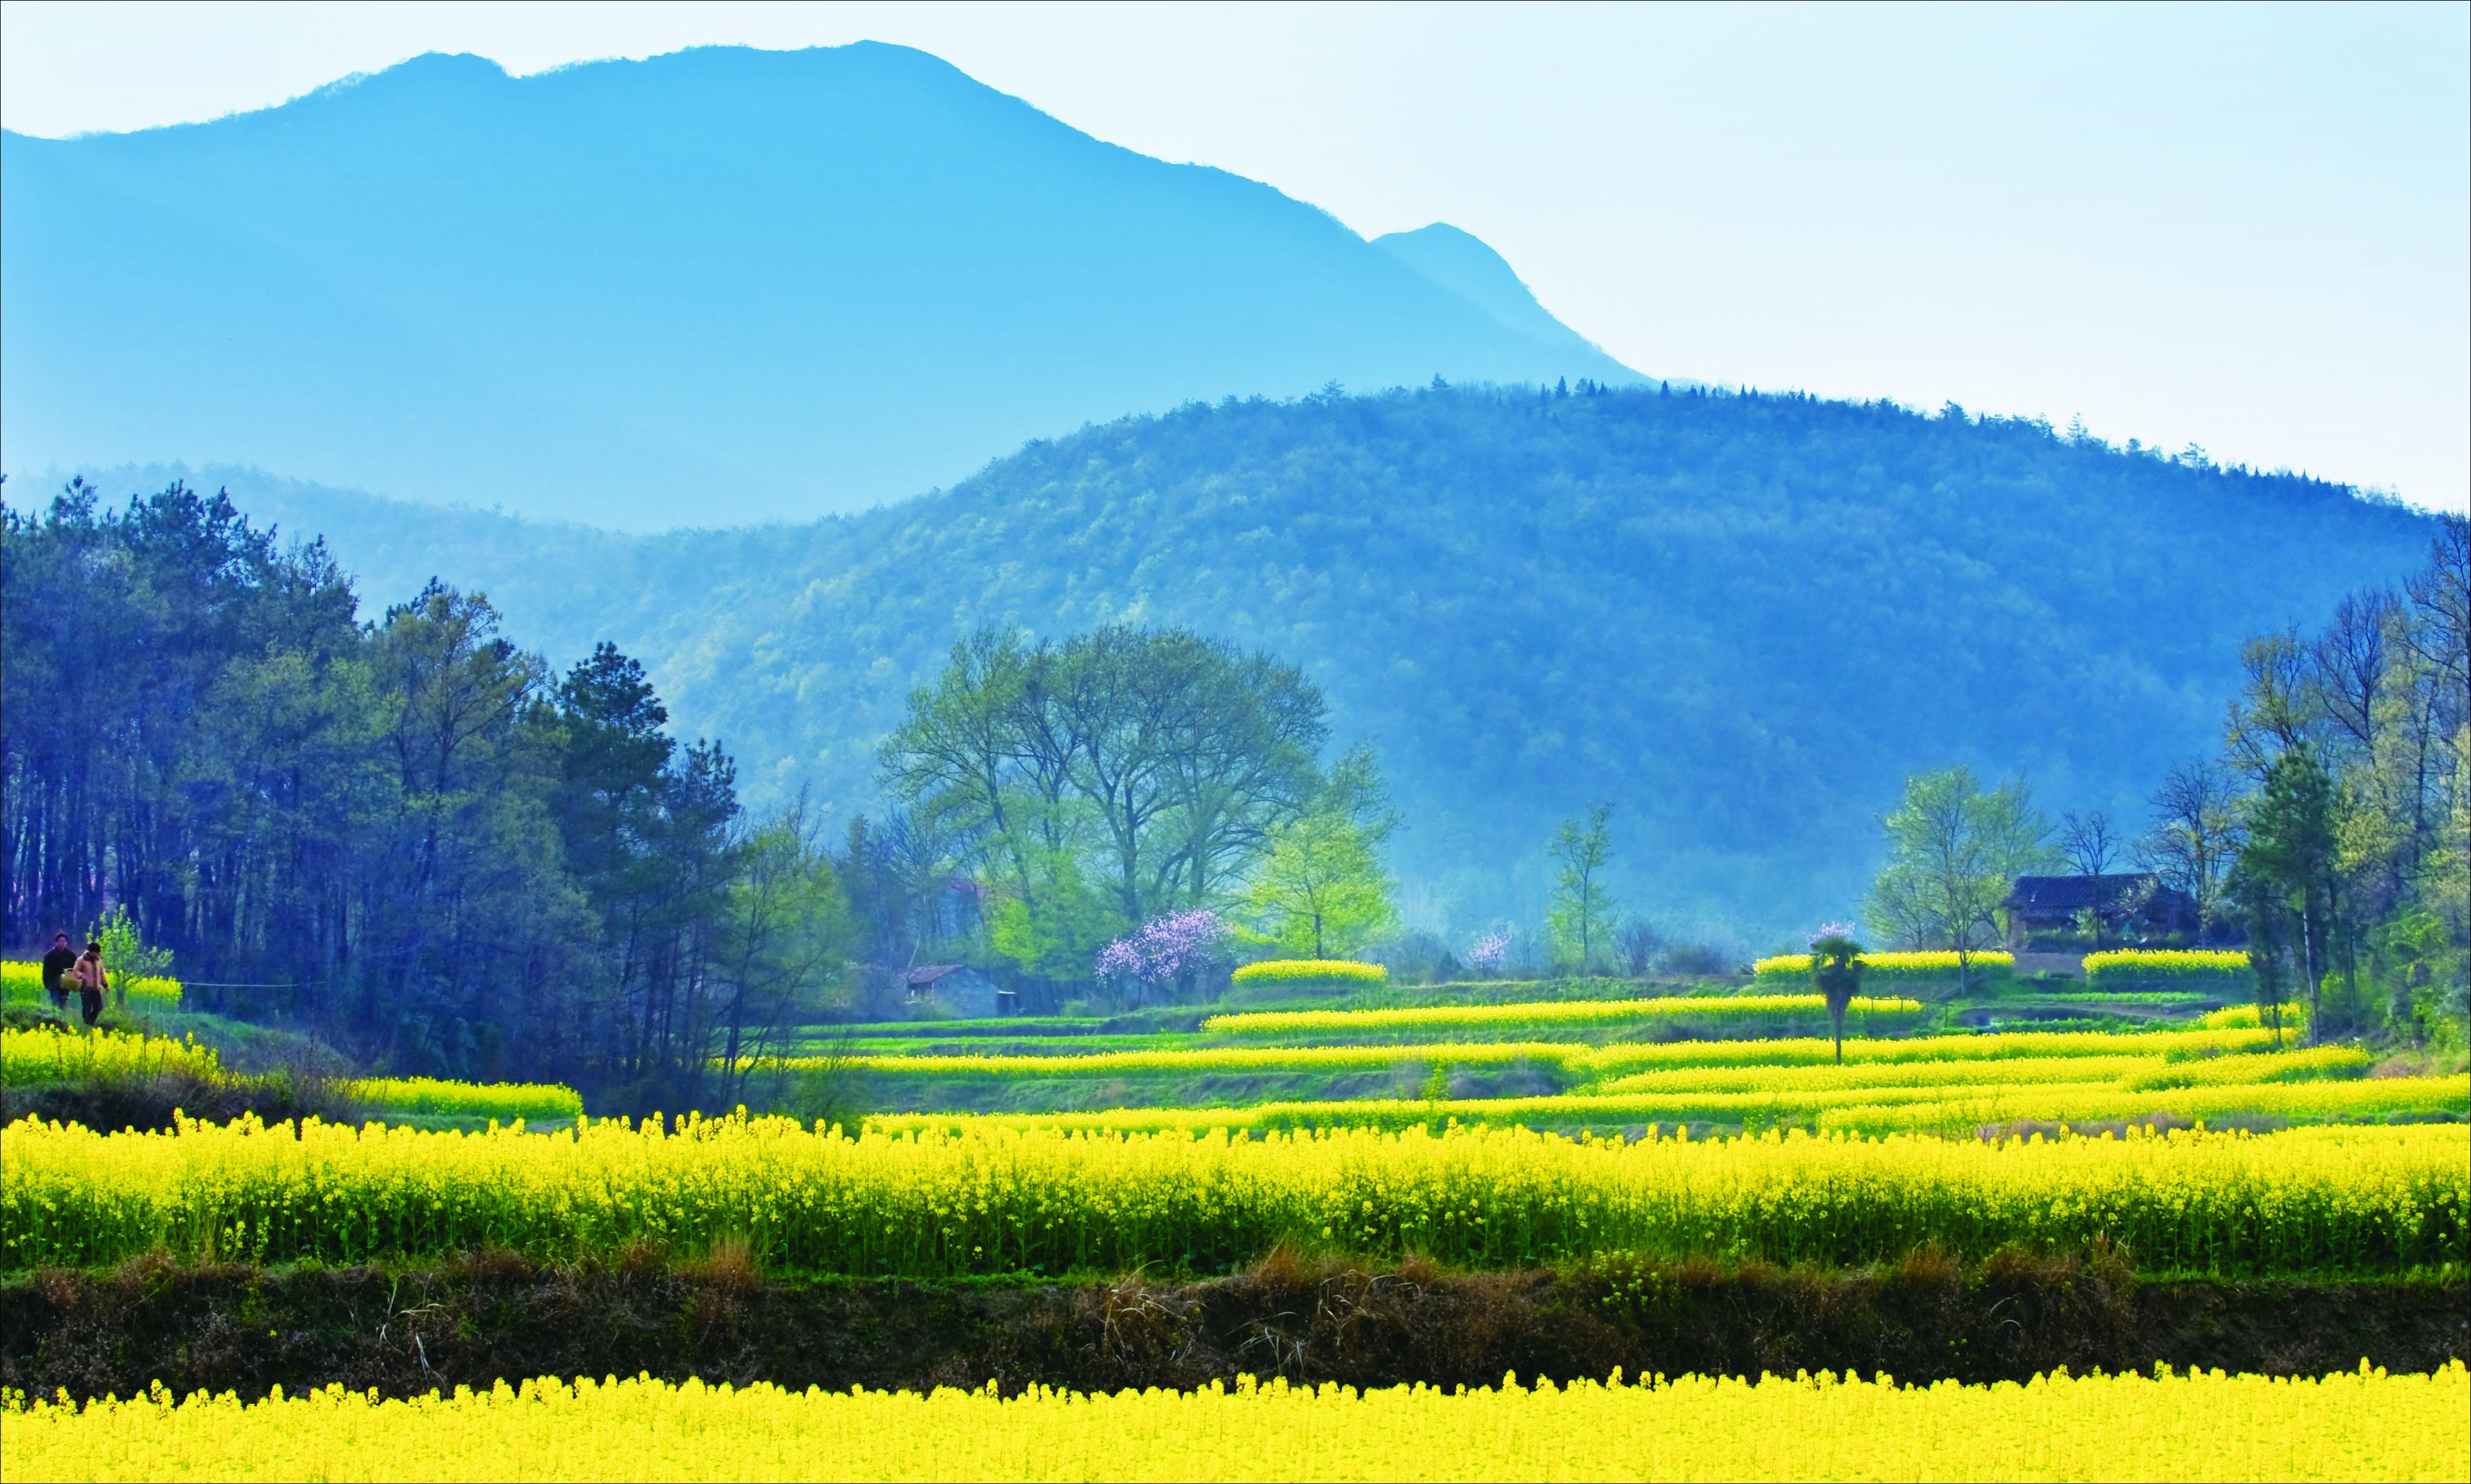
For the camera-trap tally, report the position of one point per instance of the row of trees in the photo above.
(2331, 834)
(2351, 750)
(408, 834)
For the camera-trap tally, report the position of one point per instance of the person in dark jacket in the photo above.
(56, 966)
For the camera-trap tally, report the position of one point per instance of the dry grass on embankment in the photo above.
(473, 1320)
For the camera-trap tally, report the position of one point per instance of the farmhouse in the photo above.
(2130, 906)
(956, 989)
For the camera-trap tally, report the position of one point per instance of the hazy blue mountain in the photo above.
(715, 286)
(1740, 620)
(1461, 263)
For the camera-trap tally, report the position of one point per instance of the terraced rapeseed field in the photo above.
(1867, 1015)
(43, 1055)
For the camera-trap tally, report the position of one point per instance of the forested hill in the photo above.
(722, 284)
(1738, 619)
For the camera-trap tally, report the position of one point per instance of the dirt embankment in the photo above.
(473, 1320)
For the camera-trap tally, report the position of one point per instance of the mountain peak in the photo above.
(723, 286)
(1467, 266)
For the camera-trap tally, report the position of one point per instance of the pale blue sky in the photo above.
(2247, 227)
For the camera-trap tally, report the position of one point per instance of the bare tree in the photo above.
(2196, 833)
(1640, 940)
(2088, 842)
(2278, 706)
(2350, 660)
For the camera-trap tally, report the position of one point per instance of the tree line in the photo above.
(413, 836)
(406, 832)
(2331, 834)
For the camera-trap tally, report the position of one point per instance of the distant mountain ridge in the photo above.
(1740, 620)
(718, 287)
(1462, 264)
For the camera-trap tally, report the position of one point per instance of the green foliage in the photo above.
(126, 956)
(1157, 763)
(1954, 851)
(2352, 881)
(1320, 892)
(1053, 922)
(1581, 920)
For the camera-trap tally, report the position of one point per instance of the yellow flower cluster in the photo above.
(1202, 1060)
(1925, 964)
(2376, 1097)
(21, 982)
(1998, 1047)
(434, 1098)
(2295, 1018)
(989, 1199)
(1883, 1109)
(2201, 1425)
(2170, 968)
(1311, 971)
(1725, 1010)
(2123, 1070)
(44, 1054)
(2301, 1066)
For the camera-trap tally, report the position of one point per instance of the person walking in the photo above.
(91, 983)
(56, 966)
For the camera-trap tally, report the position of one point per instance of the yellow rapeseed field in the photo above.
(44, 1054)
(1557, 1015)
(1201, 1059)
(2168, 967)
(1889, 967)
(1577, 1058)
(1961, 1110)
(2362, 1424)
(438, 1098)
(990, 1199)
(1311, 971)
(22, 983)
(1805, 1050)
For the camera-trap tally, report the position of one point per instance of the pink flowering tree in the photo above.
(1486, 954)
(1166, 950)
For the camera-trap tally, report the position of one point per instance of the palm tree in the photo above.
(1836, 967)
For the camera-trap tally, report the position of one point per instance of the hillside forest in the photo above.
(415, 835)
(1739, 618)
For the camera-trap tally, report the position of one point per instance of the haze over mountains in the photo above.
(715, 286)
(725, 287)
(1739, 619)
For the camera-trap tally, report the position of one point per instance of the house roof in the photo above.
(925, 975)
(2039, 895)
